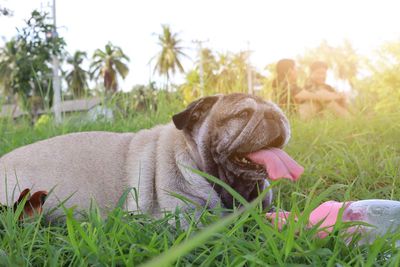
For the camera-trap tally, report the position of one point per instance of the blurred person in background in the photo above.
(317, 96)
(285, 86)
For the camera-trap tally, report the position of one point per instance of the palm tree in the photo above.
(231, 73)
(168, 59)
(108, 64)
(8, 67)
(77, 77)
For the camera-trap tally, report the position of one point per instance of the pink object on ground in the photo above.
(277, 163)
(326, 214)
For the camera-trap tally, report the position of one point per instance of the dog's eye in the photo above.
(244, 114)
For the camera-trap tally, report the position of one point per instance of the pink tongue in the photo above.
(277, 163)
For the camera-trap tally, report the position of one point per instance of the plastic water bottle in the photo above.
(380, 217)
(383, 216)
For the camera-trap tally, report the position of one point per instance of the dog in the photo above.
(213, 134)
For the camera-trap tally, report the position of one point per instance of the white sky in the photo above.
(275, 29)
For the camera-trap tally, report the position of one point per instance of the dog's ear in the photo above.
(194, 112)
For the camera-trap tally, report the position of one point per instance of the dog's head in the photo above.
(223, 131)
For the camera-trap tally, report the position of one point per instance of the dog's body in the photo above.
(93, 165)
(102, 165)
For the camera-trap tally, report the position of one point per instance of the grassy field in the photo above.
(352, 159)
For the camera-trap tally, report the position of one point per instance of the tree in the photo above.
(210, 67)
(223, 73)
(32, 50)
(8, 67)
(190, 89)
(342, 59)
(169, 58)
(77, 77)
(108, 64)
(381, 88)
(232, 73)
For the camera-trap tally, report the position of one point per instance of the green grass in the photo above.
(358, 158)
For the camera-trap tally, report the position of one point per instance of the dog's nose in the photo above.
(277, 142)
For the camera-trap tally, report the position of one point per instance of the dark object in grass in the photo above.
(32, 206)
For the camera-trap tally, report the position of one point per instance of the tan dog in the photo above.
(214, 134)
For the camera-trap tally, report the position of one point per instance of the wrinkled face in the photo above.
(227, 129)
(239, 125)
